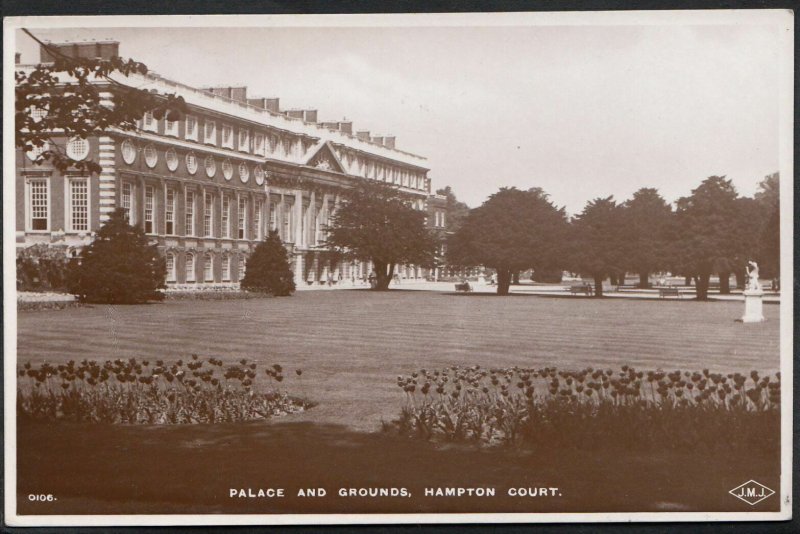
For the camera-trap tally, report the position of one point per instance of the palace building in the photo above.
(208, 187)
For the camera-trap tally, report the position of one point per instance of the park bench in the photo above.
(585, 289)
(465, 287)
(669, 292)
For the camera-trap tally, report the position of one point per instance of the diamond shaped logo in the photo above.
(751, 492)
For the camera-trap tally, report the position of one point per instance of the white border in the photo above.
(780, 18)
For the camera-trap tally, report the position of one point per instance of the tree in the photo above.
(708, 225)
(63, 99)
(268, 268)
(597, 248)
(512, 231)
(768, 198)
(119, 266)
(377, 223)
(647, 221)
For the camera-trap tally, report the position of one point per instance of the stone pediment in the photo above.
(325, 159)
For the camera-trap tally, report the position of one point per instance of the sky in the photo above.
(580, 111)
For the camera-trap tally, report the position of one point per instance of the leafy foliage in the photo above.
(597, 246)
(119, 266)
(268, 268)
(63, 98)
(512, 231)
(456, 210)
(377, 223)
(42, 268)
(647, 228)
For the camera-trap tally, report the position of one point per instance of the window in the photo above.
(150, 156)
(287, 223)
(244, 140)
(258, 144)
(227, 136)
(210, 134)
(273, 223)
(191, 163)
(34, 153)
(208, 215)
(126, 202)
(242, 217)
(39, 204)
(208, 268)
(257, 219)
(149, 202)
(258, 172)
(227, 169)
(169, 212)
(441, 220)
(211, 166)
(128, 151)
(242, 267)
(149, 122)
(170, 127)
(244, 172)
(226, 268)
(171, 158)
(191, 128)
(78, 205)
(189, 213)
(190, 276)
(170, 267)
(226, 216)
(77, 148)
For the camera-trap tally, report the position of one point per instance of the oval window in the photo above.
(227, 169)
(172, 159)
(244, 172)
(191, 163)
(128, 151)
(77, 148)
(211, 167)
(150, 156)
(259, 175)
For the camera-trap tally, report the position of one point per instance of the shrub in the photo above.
(143, 392)
(591, 409)
(42, 268)
(119, 266)
(268, 268)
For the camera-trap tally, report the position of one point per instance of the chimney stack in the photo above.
(295, 113)
(270, 104)
(310, 115)
(86, 49)
(378, 140)
(234, 93)
(346, 127)
(363, 135)
(388, 141)
(330, 125)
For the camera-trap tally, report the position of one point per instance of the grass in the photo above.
(352, 344)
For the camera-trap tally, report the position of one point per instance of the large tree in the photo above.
(378, 223)
(647, 221)
(119, 266)
(512, 231)
(709, 240)
(597, 247)
(62, 99)
(768, 198)
(456, 210)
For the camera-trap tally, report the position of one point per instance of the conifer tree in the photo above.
(268, 269)
(119, 266)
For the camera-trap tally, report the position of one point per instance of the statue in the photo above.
(752, 277)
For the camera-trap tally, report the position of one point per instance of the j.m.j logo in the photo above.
(751, 492)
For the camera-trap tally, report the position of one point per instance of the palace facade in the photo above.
(208, 187)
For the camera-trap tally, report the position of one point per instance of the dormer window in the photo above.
(258, 144)
(244, 140)
(149, 122)
(210, 134)
(227, 136)
(191, 128)
(171, 128)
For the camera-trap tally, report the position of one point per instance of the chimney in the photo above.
(378, 140)
(330, 125)
(273, 104)
(85, 49)
(17, 57)
(295, 113)
(239, 94)
(388, 141)
(310, 115)
(363, 135)
(257, 102)
(346, 127)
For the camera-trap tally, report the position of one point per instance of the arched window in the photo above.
(170, 267)
(208, 268)
(190, 277)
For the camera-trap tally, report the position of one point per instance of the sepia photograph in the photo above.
(433, 268)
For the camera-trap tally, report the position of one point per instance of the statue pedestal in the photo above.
(753, 306)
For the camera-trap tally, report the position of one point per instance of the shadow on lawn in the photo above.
(95, 469)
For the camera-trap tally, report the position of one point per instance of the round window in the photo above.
(150, 156)
(78, 148)
(191, 163)
(128, 151)
(244, 172)
(211, 166)
(259, 174)
(227, 169)
(172, 159)
(37, 151)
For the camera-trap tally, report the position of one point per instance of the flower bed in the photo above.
(590, 409)
(140, 392)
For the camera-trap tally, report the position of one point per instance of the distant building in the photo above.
(208, 187)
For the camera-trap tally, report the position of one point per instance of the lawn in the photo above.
(352, 344)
